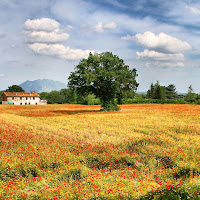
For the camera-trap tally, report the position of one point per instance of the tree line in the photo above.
(156, 91)
(106, 80)
(155, 94)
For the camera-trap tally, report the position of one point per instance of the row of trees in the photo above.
(69, 96)
(157, 91)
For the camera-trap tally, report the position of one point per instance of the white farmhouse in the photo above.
(22, 98)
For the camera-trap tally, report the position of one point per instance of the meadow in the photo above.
(77, 152)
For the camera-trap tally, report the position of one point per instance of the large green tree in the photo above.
(104, 75)
(15, 88)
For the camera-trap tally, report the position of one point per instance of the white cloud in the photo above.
(2, 75)
(69, 27)
(99, 27)
(164, 64)
(59, 50)
(162, 42)
(128, 37)
(193, 10)
(111, 25)
(157, 56)
(43, 24)
(46, 37)
(162, 50)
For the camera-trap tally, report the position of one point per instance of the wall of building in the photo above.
(23, 100)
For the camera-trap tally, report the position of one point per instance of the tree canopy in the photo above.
(15, 88)
(156, 91)
(106, 76)
(170, 92)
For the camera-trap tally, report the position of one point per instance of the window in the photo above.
(26, 98)
(29, 103)
(20, 98)
(33, 98)
(21, 103)
(12, 98)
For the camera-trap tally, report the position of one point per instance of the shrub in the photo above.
(185, 172)
(170, 192)
(114, 162)
(165, 162)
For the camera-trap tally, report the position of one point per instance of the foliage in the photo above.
(69, 96)
(192, 97)
(170, 92)
(149, 101)
(170, 192)
(156, 91)
(15, 88)
(1, 92)
(104, 75)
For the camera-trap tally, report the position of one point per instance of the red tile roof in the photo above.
(21, 94)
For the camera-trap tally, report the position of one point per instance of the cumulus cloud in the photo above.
(161, 42)
(164, 64)
(2, 75)
(193, 10)
(69, 27)
(59, 50)
(99, 27)
(44, 37)
(157, 56)
(43, 24)
(162, 49)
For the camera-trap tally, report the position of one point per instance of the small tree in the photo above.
(159, 93)
(191, 97)
(1, 92)
(156, 91)
(15, 88)
(104, 75)
(150, 92)
(170, 92)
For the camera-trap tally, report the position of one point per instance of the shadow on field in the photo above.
(74, 112)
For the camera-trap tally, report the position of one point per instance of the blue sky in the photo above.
(46, 39)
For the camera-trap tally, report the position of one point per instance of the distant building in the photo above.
(22, 98)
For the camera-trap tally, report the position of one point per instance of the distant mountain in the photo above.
(42, 85)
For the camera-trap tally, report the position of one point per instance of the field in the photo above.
(77, 152)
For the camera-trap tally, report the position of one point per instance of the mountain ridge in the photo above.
(42, 85)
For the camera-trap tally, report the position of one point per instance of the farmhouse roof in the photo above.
(21, 94)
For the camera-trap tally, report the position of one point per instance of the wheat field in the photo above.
(77, 152)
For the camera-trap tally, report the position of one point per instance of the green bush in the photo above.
(185, 172)
(147, 101)
(165, 162)
(114, 162)
(171, 192)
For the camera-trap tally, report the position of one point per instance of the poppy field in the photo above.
(78, 152)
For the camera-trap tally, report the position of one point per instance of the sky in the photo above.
(46, 39)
